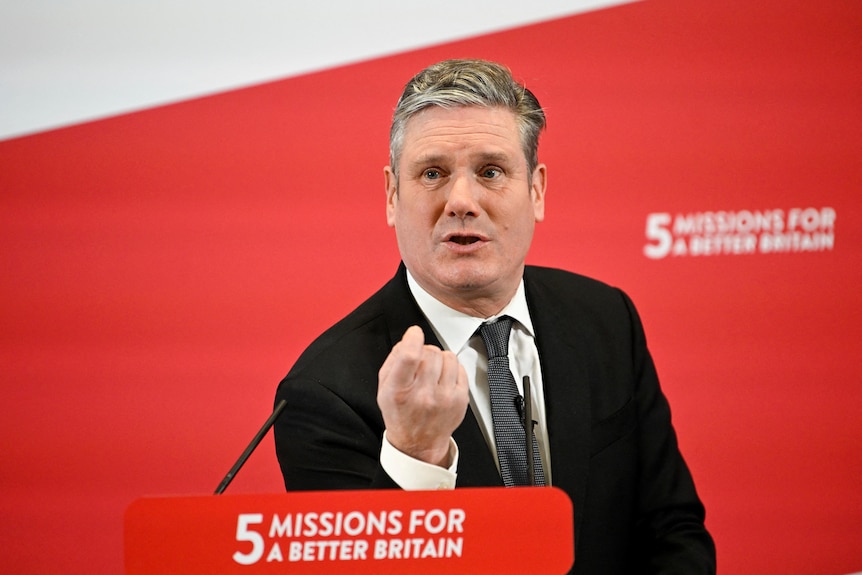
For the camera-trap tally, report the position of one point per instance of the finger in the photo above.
(403, 360)
(430, 366)
(449, 369)
(463, 382)
(453, 382)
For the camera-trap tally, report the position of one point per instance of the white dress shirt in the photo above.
(457, 332)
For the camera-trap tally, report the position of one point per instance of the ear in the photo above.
(537, 191)
(391, 182)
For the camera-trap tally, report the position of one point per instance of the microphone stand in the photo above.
(251, 447)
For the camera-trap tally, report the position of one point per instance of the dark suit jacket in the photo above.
(613, 449)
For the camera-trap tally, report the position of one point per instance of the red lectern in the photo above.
(479, 530)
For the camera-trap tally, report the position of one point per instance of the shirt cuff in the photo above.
(414, 475)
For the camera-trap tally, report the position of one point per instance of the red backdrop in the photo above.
(163, 269)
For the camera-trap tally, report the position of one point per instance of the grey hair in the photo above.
(453, 83)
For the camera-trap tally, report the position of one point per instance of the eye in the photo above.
(431, 174)
(491, 172)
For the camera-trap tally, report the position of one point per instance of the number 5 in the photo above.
(243, 533)
(656, 230)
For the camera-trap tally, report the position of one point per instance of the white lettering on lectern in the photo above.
(342, 536)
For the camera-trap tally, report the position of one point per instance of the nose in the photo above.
(461, 201)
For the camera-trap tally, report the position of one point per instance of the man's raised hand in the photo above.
(423, 395)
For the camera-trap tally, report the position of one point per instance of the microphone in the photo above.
(519, 405)
(251, 447)
(528, 430)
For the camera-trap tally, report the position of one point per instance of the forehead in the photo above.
(463, 129)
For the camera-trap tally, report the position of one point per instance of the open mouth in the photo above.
(464, 240)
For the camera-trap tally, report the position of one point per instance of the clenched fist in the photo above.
(423, 395)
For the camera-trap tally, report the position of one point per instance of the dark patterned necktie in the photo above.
(505, 413)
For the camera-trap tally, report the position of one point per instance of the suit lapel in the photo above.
(476, 467)
(565, 374)
(565, 379)
(476, 464)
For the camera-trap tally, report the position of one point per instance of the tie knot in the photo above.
(496, 336)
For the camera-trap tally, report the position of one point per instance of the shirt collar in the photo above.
(454, 328)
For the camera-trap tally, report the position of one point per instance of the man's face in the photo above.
(464, 206)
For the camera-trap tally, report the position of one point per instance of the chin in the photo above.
(466, 280)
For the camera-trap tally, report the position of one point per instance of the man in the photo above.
(401, 393)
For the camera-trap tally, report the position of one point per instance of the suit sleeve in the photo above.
(670, 536)
(323, 442)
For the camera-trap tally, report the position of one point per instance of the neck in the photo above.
(474, 302)
(476, 307)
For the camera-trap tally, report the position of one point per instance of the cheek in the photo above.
(422, 214)
(520, 230)
(517, 220)
(414, 225)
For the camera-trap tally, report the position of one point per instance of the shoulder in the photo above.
(554, 295)
(356, 346)
(560, 277)
(572, 287)
(363, 333)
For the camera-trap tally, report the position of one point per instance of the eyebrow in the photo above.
(428, 160)
(485, 157)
